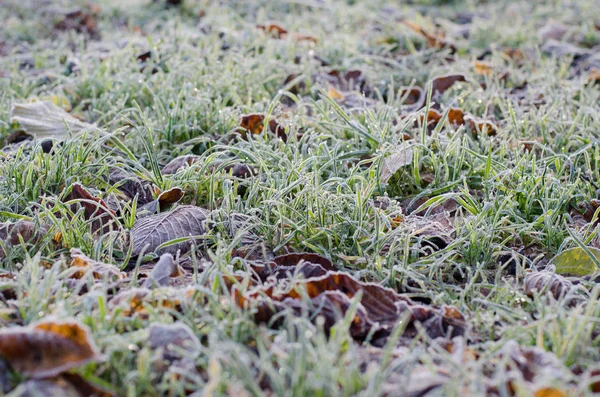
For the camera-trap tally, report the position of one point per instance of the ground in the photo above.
(427, 161)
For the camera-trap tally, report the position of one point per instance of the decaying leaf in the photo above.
(46, 120)
(482, 68)
(95, 209)
(402, 158)
(176, 340)
(11, 234)
(307, 264)
(81, 21)
(186, 223)
(477, 125)
(131, 186)
(379, 309)
(164, 269)
(83, 265)
(442, 83)
(414, 98)
(279, 32)
(162, 202)
(47, 348)
(545, 281)
(576, 261)
(434, 40)
(179, 163)
(135, 301)
(254, 123)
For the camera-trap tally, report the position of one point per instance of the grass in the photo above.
(317, 192)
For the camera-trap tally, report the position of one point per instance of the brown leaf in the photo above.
(415, 98)
(434, 41)
(81, 21)
(98, 270)
(442, 83)
(379, 309)
(274, 29)
(131, 186)
(179, 163)
(47, 348)
(476, 125)
(11, 234)
(279, 32)
(547, 282)
(307, 264)
(254, 123)
(169, 197)
(150, 232)
(95, 209)
(84, 387)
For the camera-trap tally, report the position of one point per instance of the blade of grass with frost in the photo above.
(46, 120)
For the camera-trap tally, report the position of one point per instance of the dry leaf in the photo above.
(545, 281)
(164, 269)
(99, 271)
(402, 158)
(179, 163)
(254, 123)
(442, 83)
(379, 309)
(95, 209)
(150, 232)
(434, 41)
(482, 68)
(47, 348)
(46, 120)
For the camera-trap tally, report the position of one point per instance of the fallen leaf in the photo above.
(307, 264)
(95, 209)
(176, 340)
(482, 68)
(81, 21)
(254, 123)
(415, 98)
(47, 348)
(441, 84)
(552, 30)
(11, 234)
(549, 392)
(545, 281)
(434, 41)
(274, 29)
(179, 163)
(131, 185)
(184, 222)
(46, 120)
(99, 271)
(163, 202)
(279, 32)
(576, 261)
(134, 301)
(477, 125)
(164, 269)
(379, 309)
(402, 158)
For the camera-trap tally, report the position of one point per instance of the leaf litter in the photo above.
(247, 220)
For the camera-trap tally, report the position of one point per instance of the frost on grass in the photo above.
(317, 198)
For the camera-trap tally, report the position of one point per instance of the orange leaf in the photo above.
(549, 392)
(482, 68)
(48, 348)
